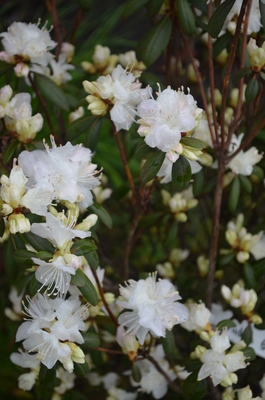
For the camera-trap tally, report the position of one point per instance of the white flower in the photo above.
(50, 328)
(128, 343)
(68, 51)
(154, 307)
(76, 114)
(218, 365)
(67, 380)
(16, 313)
(27, 43)
(65, 171)
(25, 360)
(198, 320)
(152, 380)
(254, 23)
(163, 120)
(243, 162)
(119, 394)
(129, 60)
(239, 297)
(218, 314)
(122, 91)
(59, 70)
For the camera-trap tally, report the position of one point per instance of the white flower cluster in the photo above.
(179, 203)
(254, 23)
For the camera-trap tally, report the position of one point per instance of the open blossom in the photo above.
(220, 366)
(67, 380)
(239, 297)
(198, 320)
(26, 43)
(129, 60)
(51, 328)
(66, 171)
(103, 61)
(152, 380)
(162, 121)
(23, 359)
(154, 307)
(120, 93)
(243, 162)
(254, 23)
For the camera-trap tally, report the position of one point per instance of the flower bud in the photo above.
(77, 354)
(98, 107)
(256, 319)
(242, 256)
(222, 57)
(231, 237)
(191, 74)
(76, 114)
(68, 51)
(166, 270)
(205, 336)
(21, 70)
(206, 159)
(19, 223)
(203, 266)
(244, 394)
(217, 97)
(199, 351)
(90, 87)
(181, 217)
(87, 223)
(226, 293)
(72, 260)
(6, 209)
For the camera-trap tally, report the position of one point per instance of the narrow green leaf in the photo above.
(169, 345)
(186, 17)
(51, 92)
(243, 72)
(91, 340)
(47, 377)
(92, 259)
(81, 369)
(226, 323)
(34, 287)
(221, 43)
(136, 373)
(154, 42)
(259, 268)
(141, 150)
(247, 335)
(4, 67)
(181, 174)
(79, 126)
(249, 353)
(249, 277)
(23, 282)
(154, 7)
(44, 255)
(93, 134)
(225, 259)
(262, 12)
(252, 89)
(198, 182)
(2, 226)
(79, 278)
(89, 292)
(194, 389)
(258, 172)
(200, 5)
(23, 257)
(17, 242)
(133, 6)
(152, 166)
(82, 247)
(9, 151)
(245, 182)
(38, 243)
(193, 142)
(218, 18)
(194, 366)
(209, 185)
(234, 194)
(102, 214)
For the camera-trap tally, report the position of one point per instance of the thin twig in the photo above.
(110, 351)
(112, 316)
(42, 102)
(52, 8)
(129, 243)
(77, 23)
(229, 68)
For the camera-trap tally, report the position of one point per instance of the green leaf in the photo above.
(89, 292)
(93, 134)
(245, 182)
(85, 5)
(91, 340)
(221, 43)
(152, 166)
(133, 6)
(252, 89)
(218, 18)
(249, 353)
(102, 214)
(136, 373)
(169, 345)
(225, 259)
(249, 277)
(234, 194)
(193, 389)
(79, 126)
(258, 171)
(23, 282)
(226, 323)
(81, 369)
(247, 335)
(262, 12)
(193, 142)
(44, 255)
(141, 150)
(51, 92)
(200, 4)
(186, 17)
(16, 242)
(181, 174)
(9, 151)
(150, 219)
(79, 278)
(154, 7)
(243, 72)
(38, 243)
(92, 259)
(209, 185)
(154, 42)
(47, 377)
(2, 226)
(4, 67)
(34, 287)
(23, 257)
(259, 268)
(82, 247)
(198, 183)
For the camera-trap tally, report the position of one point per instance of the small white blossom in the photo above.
(154, 307)
(67, 380)
(198, 320)
(254, 23)
(242, 163)
(128, 343)
(23, 359)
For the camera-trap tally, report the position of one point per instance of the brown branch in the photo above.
(52, 8)
(77, 23)
(198, 75)
(42, 102)
(229, 68)
(110, 351)
(129, 243)
(215, 232)
(112, 316)
(173, 386)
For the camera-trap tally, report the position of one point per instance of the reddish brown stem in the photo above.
(77, 23)
(42, 102)
(129, 243)
(110, 351)
(112, 316)
(215, 232)
(229, 68)
(52, 8)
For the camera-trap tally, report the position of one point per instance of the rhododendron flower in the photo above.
(23, 359)
(242, 163)
(154, 307)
